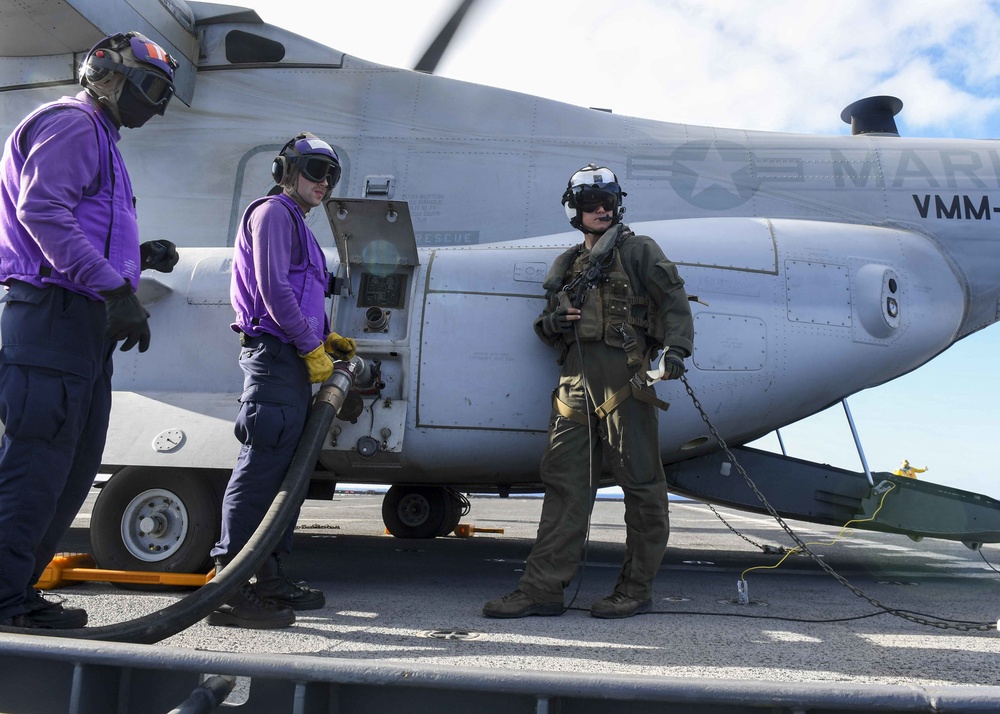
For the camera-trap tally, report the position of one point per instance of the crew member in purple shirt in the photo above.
(278, 291)
(70, 259)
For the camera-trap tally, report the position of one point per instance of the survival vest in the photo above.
(609, 308)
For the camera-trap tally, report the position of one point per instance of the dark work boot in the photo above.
(48, 614)
(272, 584)
(247, 609)
(521, 604)
(618, 605)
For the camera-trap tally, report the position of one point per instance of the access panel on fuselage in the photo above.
(481, 365)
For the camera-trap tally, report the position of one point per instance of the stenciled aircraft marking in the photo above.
(955, 207)
(721, 175)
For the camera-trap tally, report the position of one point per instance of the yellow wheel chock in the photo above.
(67, 568)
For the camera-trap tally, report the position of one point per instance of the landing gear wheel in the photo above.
(417, 511)
(456, 508)
(154, 519)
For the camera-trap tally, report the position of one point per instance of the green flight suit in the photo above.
(626, 441)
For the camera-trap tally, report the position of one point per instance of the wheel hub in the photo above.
(414, 509)
(153, 524)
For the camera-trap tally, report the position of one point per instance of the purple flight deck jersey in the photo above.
(279, 275)
(67, 212)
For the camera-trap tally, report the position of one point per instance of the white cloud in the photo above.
(768, 64)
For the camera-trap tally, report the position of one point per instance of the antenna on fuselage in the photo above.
(873, 115)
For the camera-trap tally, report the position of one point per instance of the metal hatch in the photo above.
(372, 231)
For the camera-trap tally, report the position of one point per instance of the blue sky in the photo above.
(768, 65)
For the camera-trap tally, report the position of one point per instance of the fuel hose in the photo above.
(183, 613)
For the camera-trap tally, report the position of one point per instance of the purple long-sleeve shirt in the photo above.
(279, 275)
(67, 215)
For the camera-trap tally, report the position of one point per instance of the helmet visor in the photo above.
(589, 198)
(317, 168)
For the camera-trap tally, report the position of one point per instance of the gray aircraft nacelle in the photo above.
(466, 385)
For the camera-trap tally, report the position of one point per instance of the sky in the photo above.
(766, 65)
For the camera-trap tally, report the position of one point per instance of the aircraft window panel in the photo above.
(245, 48)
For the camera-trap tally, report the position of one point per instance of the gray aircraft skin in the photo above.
(822, 265)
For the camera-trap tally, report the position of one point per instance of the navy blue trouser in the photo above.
(55, 401)
(273, 411)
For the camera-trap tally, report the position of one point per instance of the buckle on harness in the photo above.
(628, 343)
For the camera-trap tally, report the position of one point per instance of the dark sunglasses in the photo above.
(316, 169)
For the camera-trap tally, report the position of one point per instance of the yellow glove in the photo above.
(342, 348)
(319, 364)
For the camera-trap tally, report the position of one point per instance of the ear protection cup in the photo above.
(279, 167)
(102, 58)
(100, 64)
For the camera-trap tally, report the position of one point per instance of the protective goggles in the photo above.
(149, 86)
(589, 199)
(317, 168)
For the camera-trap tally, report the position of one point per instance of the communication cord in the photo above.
(918, 618)
(590, 465)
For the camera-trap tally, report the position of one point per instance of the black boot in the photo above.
(47, 614)
(247, 609)
(273, 585)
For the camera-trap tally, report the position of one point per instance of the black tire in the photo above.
(415, 511)
(163, 520)
(453, 514)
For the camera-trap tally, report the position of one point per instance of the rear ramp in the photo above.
(820, 493)
(55, 675)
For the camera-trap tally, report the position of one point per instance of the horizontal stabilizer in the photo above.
(820, 493)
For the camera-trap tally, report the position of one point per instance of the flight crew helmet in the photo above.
(310, 156)
(130, 75)
(589, 188)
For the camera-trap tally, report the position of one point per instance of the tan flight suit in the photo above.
(626, 439)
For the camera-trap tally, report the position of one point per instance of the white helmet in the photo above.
(589, 187)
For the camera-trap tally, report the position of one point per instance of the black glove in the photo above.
(126, 318)
(556, 322)
(673, 364)
(159, 255)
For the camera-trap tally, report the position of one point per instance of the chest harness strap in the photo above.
(632, 388)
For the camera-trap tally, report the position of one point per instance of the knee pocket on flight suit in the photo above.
(266, 426)
(43, 404)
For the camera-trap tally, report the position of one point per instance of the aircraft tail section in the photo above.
(821, 493)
